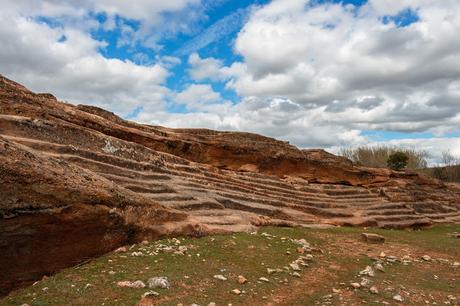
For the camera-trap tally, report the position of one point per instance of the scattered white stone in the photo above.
(296, 274)
(111, 272)
(88, 286)
(264, 279)
(378, 266)
(242, 279)
(212, 304)
(159, 282)
(365, 282)
(301, 242)
(368, 271)
(374, 290)
(426, 257)
(181, 250)
(150, 294)
(137, 254)
(294, 266)
(355, 285)
(456, 264)
(236, 291)
(138, 284)
(129, 284)
(122, 249)
(392, 258)
(220, 277)
(271, 271)
(398, 298)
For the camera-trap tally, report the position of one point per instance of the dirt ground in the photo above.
(283, 266)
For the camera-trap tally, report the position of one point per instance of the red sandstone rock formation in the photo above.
(78, 181)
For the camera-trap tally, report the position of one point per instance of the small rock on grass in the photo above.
(122, 249)
(236, 291)
(128, 284)
(242, 279)
(372, 238)
(379, 267)
(159, 282)
(398, 298)
(374, 290)
(368, 271)
(365, 282)
(355, 285)
(150, 294)
(220, 277)
(426, 257)
(294, 266)
(264, 279)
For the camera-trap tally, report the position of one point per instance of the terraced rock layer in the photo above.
(77, 181)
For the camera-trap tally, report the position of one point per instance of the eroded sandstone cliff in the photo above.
(78, 181)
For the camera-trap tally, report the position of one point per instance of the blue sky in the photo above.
(212, 36)
(317, 73)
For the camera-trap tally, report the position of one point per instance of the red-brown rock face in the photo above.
(78, 181)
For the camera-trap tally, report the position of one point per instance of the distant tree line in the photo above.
(404, 158)
(449, 170)
(378, 156)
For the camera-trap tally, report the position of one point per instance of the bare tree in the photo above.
(450, 171)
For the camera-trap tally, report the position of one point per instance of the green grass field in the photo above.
(339, 255)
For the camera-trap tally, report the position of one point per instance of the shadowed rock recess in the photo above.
(78, 181)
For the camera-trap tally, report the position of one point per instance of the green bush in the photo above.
(397, 161)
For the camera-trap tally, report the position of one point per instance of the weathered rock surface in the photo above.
(372, 238)
(78, 181)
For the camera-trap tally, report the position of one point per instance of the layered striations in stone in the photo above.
(78, 181)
